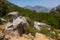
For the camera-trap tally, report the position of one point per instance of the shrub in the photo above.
(1, 22)
(29, 29)
(51, 32)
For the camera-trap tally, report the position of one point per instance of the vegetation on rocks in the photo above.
(48, 31)
(29, 29)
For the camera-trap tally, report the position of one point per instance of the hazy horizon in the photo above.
(45, 3)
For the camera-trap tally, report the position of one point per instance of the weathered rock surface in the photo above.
(38, 25)
(3, 19)
(17, 23)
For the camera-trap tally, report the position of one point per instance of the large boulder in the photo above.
(19, 20)
(12, 16)
(38, 25)
(17, 23)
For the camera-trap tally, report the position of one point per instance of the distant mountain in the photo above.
(56, 10)
(37, 8)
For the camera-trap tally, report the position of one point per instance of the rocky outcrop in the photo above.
(38, 25)
(12, 16)
(3, 19)
(14, 30)
(17, 23)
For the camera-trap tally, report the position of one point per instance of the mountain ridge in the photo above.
(37, 8)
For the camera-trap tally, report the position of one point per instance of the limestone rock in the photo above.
(38, 25)
(3, 19)
(12, 16)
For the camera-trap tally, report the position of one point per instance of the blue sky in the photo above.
(46, 3)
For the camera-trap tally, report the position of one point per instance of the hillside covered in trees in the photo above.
(49, 18)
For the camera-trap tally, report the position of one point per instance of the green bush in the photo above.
(30, 21)
(29, 29)
(1, 22)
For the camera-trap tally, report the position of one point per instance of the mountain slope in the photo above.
(7, 7)
(37, 8)
(56, 12)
